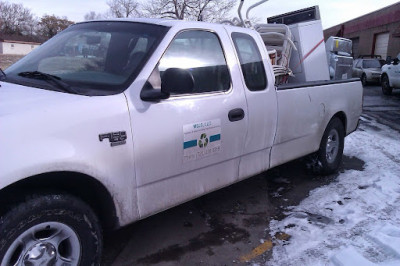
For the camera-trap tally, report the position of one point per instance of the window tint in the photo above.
(199, 52)
(250, 61)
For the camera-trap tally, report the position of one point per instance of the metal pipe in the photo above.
(239, 12)
(283, 36)
(227, 22)
(236, 20)
(253, 6)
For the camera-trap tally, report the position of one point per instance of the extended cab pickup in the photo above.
(112, 121)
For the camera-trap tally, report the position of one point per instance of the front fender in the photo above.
(65, 137)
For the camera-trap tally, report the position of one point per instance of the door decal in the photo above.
(201, 140)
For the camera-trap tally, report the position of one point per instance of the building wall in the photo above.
(17, 48)
(366, 28)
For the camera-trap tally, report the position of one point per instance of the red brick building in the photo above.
(377, 33)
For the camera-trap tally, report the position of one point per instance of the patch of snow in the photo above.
(354, 220)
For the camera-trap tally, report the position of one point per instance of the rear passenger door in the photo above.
(261, 99)
(190, 143)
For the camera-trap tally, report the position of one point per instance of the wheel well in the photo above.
(80, 185)
(343, 118)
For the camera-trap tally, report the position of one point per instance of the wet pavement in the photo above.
(230, 226)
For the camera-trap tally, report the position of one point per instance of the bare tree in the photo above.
(93, 16)
(51, 25)
(199, 10)
(123, 8)
(15, 19)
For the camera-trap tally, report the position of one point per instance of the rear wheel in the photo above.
(386, 89)
(52, 229)
(329, 155)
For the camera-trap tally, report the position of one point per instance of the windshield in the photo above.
(374, 63)
(95, 58)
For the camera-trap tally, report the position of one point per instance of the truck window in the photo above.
(201, 53)
(97, 58)
(250, 61)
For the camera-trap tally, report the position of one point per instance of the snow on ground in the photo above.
(355, 220)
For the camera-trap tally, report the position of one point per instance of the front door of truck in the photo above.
(190, 143)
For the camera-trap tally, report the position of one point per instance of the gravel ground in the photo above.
(7, 60)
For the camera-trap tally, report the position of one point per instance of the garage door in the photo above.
(355, 41)
(381, 44)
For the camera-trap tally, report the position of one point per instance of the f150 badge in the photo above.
(115, 138)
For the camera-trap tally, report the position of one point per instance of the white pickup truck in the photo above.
(112, 121)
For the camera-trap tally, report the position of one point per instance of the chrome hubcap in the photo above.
(51, 243)
(332, 146)
(41, 254)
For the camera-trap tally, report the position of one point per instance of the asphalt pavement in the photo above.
(230, 226)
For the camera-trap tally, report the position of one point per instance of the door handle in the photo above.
(236, 114)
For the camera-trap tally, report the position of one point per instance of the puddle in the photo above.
(220, 234)
(255, 220)
(352, 163)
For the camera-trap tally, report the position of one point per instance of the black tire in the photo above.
(329, 155)
(52, 219)
(386, 89)
(364, 80)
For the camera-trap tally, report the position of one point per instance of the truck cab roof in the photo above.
(172, 23)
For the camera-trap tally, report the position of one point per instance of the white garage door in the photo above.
(381, 44)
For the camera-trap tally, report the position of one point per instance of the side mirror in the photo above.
(149, 94)
(177, 81)
(396, 61)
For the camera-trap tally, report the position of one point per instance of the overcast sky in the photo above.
(333, 12)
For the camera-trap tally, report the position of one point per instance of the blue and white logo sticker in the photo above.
(201, 140)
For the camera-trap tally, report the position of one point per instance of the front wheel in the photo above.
(364, 80)
(329, 155)
(54, 229)
(386, 89)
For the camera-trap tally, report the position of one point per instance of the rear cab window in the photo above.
(250, 61)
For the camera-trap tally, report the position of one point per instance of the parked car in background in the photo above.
(367, 69)
(390, 77)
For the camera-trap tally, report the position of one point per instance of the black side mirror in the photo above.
(396, 61)
(149, 94)
(177, 81)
